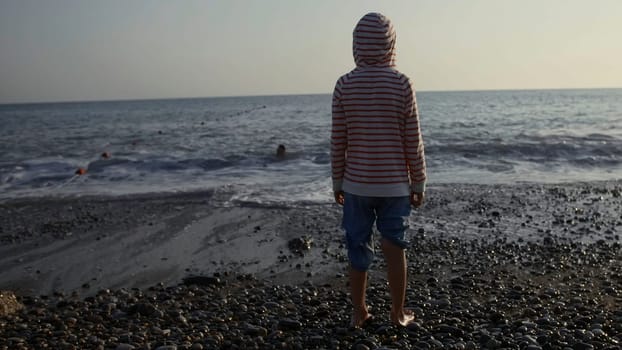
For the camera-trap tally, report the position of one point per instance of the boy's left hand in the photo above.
(339, 198)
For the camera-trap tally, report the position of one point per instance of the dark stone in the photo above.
(497, 317)
(582, 346)
(455, 331)
(287, 324)
(201, 280)
(144, 309)
(256, 331)
(300, 245)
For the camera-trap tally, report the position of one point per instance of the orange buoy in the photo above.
(80, 171)
(106, 155)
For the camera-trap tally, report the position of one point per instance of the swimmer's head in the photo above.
(280, 151)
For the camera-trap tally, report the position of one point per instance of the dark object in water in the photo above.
(280, 152)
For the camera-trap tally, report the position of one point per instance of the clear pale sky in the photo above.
(67, 50)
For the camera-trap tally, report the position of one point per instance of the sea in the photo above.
(227, 145)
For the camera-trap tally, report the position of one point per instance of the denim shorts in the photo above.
(359, 215)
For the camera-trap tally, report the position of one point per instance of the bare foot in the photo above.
(404, 318)
(358, 320)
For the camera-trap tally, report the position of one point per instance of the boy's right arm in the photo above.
(338, 141)
(416, 199)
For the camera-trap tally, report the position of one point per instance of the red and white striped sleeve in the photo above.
(338, 139)
(413, 142)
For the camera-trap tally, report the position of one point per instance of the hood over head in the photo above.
(373, 41)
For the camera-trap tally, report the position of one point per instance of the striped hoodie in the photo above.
(376, 144)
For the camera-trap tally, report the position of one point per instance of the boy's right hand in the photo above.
(339, 197)
(416, 199)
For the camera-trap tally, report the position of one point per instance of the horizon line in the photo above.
(280, 94)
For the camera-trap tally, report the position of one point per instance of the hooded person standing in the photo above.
(377, 161)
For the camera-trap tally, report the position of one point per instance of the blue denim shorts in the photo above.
(390, 214)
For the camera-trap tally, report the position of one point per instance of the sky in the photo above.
(75, 50)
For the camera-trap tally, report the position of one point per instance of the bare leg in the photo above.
(358, 285)
(396, 274)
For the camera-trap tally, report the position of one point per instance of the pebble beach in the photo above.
(522, 266)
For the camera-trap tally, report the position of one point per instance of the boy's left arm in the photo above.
(414, 149)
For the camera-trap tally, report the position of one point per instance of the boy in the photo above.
(377, 160)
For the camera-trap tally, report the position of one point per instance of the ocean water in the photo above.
(228, 145)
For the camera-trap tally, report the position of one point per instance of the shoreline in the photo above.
(87, 243)
(489, 266)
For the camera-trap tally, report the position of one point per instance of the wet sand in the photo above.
(527, 265)
(86, 244)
